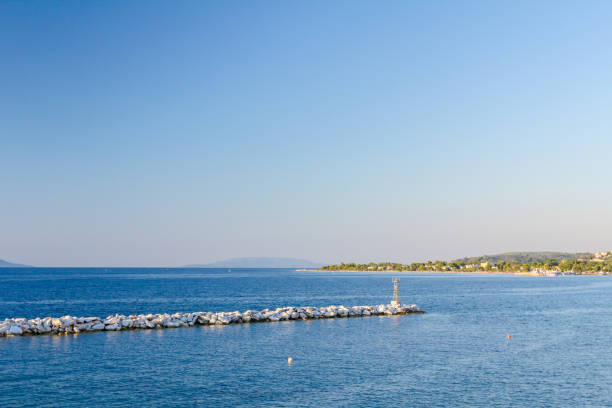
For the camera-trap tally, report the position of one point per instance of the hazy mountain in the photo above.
(523, 257)
(259, 263)
(6, 264)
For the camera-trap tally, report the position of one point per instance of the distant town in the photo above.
(518, 263)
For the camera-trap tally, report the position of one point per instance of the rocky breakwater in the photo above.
(73, 325)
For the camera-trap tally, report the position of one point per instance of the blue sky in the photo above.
(169, 133)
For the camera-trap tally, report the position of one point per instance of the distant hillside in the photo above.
(6, 264)
(524, 257)
(259, 263)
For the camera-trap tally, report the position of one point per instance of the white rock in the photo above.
(222, 320)
(44, 327)
(126, 323)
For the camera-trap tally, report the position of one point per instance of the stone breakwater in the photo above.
(73, 325)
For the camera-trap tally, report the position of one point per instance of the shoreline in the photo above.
(455, 272)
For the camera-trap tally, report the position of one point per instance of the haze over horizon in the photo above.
(165, 134)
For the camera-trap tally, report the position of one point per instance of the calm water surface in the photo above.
(560, 353)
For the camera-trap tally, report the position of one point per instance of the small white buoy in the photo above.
(290, 360)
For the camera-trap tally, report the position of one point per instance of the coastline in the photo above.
(415, 272)
(533, 274)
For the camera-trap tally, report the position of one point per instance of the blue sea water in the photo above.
(560, 352)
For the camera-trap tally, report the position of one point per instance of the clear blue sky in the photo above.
(168, 133)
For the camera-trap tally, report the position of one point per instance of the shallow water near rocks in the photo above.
(456, 354)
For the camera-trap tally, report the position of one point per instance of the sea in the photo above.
(559, 353)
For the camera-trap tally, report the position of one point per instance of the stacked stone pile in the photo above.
(72, 325)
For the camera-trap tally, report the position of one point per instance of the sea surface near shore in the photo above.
(559, 353)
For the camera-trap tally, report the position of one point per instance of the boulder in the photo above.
(126, 323)
(223, 320)
(44, 327)
(67, 321)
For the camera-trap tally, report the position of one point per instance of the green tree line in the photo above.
(576, 266)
